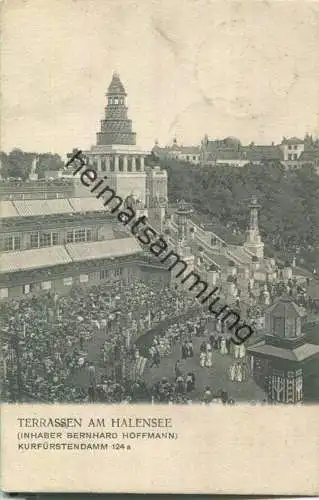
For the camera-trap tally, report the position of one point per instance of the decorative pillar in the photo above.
(116, 163)
(99, 164)
(142, 163)
(125, 163)
(107, 163)
(133, 164)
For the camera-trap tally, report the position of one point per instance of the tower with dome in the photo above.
(115, 153)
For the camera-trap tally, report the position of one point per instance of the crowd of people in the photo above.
(48, 340)
(45, 338)
(296, 291)
(197, 337)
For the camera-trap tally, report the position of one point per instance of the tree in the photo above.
(48, 162)
(289, 215)
(18, 164)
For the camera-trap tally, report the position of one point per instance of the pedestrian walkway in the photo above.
(215, 377)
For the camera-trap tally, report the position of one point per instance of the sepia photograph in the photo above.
(175, 271)
(159, 204)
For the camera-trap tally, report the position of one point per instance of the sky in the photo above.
(246, 69)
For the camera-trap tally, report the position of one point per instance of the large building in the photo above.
(291, 152)
(52, 244)
(189, 154)
(57, 234)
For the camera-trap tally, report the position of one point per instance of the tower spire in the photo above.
(116, 128)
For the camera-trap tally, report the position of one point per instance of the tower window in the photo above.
(279, 327)
(116, 100)
(290, 328)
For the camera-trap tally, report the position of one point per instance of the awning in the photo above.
(103, 249)
(7, 209)
(89, 204)
(32, 208)
(33, 259)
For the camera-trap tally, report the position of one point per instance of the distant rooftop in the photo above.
(292, 140)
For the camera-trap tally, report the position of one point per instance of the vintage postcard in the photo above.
(159, 286)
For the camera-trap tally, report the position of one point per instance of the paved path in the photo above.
(216, 377)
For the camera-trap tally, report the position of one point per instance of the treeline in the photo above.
(18, 164)
(289, 199)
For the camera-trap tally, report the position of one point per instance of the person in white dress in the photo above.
(236, 351)
(232, 372)
(202, 359)
(223, 347)
(209, 356)
(239, 373)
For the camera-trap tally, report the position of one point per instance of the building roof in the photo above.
(116, 87)
(305, 351)
(292, 140)
(228, 155)
(189, 149)
(32, 208)
(230, 143)
(309, 155)
(284, 307)
(65, 254)
(298, 354)
(36, 208)
(34, 259)
(7, 209)
(103, 249)
(259, 153)
(176, 149)
(89, 204)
